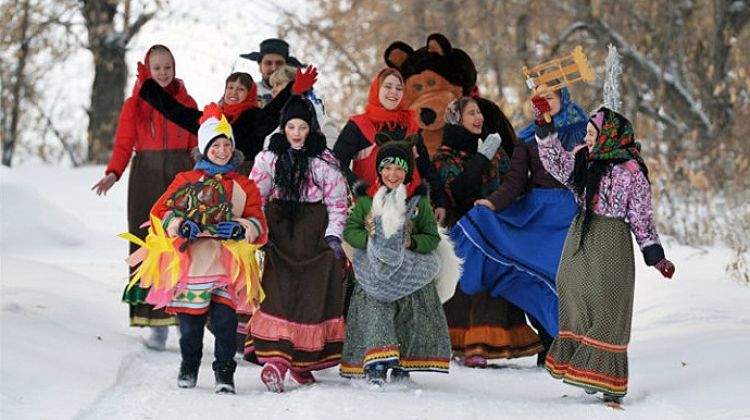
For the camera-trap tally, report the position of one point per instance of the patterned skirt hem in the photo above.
(138, 321)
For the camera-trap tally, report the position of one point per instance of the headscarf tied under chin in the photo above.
(374, 110)
(570, 123)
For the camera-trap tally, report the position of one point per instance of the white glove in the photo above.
(489, 146)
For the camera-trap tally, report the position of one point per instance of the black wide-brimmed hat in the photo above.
(273, 46)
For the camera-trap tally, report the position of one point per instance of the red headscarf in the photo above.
(375, 111)
(233, 111)
(176, 88)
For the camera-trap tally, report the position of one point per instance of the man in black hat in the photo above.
(273, 54)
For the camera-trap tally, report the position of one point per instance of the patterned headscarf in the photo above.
(615, 138)
(570, 123)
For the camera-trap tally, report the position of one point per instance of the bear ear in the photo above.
(438, 44)
(382, 138)
(397, 53)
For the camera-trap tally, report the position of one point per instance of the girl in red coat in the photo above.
(162, 149)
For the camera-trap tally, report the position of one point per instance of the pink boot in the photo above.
(273, 375)
(302, 377)
(475, 362)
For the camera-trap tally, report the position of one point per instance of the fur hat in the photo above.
(213, 124)
(298, 107)
(395, 151)
(273, 46)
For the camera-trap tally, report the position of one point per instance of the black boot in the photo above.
(224, 375)
(188, 375)
(399, 375)
(609, 398)
(376, 373)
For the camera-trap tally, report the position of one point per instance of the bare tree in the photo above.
(108, 43)
(32, 35)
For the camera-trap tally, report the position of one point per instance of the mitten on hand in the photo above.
(541, 107)
(143, 72)
(230, 230)
(489, 146)
(304, 81)
(335, 244)
(189, 230)
(665, 267)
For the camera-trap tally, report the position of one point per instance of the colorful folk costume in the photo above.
(162, 150)
(514, 251)
(198, 257)
(299, 327)
(596, 277)
(481, 327)
(395, 320)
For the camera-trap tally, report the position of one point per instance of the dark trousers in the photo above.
(224, 328)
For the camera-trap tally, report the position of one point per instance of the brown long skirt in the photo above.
(300, 323)
(492, 328)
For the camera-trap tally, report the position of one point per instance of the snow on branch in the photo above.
(657, 72)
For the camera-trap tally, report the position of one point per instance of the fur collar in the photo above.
(391, 205)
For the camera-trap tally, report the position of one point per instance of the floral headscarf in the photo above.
(615, 138)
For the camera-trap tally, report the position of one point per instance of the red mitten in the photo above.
(143, 72)
(541, 107)
(665, 267)
(304, 81)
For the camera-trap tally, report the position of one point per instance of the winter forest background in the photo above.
(66, 67)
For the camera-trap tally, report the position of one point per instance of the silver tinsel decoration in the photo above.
(612, 80)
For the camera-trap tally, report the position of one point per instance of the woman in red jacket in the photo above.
(162, 149)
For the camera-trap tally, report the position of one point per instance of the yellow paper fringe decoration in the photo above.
(245, 268)
(159, 247)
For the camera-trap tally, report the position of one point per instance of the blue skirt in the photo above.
(515, 253)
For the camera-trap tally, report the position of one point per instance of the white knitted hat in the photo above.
(213, 124)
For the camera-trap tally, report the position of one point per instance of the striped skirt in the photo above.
(409, 333)
(595, 283)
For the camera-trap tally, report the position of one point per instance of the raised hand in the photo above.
(304, 81)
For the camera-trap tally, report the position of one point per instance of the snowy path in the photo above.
(66, 352)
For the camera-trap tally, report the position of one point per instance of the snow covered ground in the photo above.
(66, 351)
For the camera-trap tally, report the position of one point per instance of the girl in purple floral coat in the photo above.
(595, 279)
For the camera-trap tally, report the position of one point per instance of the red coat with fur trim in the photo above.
(141, 128)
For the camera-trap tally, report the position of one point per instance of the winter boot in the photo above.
(376, 373)
(590, 391)
(157, 339)
(224, 375)
(302, 377)
(188, 375)
(273, 375)
(613, 399)
(475, 361)
(399, 375)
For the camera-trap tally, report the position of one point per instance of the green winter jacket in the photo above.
(424, 232)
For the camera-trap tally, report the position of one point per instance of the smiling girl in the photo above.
(299, 327)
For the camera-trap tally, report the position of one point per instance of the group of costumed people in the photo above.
(242, 219)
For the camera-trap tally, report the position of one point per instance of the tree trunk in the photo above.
(110, 75)
(9, 143)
